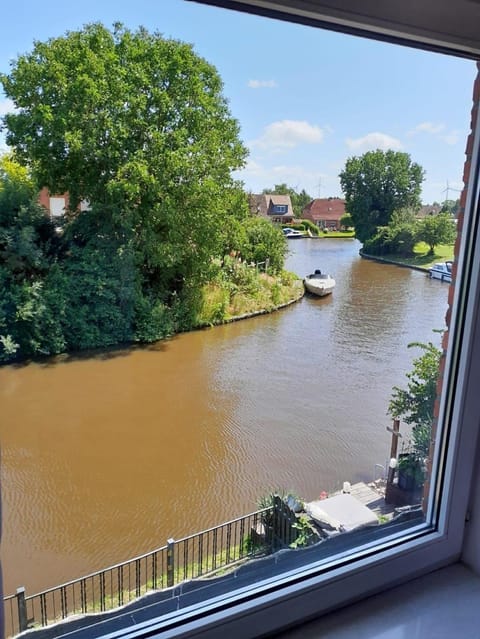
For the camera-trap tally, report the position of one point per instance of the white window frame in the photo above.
(310, 591)
(57, 206)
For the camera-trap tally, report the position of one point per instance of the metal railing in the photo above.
(97, 592)
(205, 553)
(262, 266)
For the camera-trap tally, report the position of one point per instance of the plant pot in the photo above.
(406, 481)
(410, 473)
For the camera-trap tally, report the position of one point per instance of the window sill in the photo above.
(443, 604)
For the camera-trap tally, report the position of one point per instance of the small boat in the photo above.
(293, 234)
(319, 283)
(441, 271)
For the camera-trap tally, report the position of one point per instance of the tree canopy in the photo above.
(137, 125)
(375, 185)
(437, 229)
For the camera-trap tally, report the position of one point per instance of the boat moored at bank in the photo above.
(441, 271)
(293, 234)
(319, 283)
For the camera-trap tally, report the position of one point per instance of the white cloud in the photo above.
(287, 134)
(6, 106)
(451, 138)
(257, 177)
(427, 127)
(373, 141)
(262, 84)
(438, 130)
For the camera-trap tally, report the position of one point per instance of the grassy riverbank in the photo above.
(337, 234)
(248, 292)
(422, 258)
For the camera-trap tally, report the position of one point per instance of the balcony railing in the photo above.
(204, 553)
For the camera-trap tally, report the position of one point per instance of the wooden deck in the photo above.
(372, 496)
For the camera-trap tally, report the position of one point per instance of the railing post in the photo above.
(170, 562)
(276, 532)
(22, 609)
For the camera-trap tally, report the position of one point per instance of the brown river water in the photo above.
(106, 456)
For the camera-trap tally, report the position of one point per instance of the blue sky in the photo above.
(306, 99)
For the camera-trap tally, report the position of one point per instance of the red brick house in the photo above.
(325, 212)
(56, 204)
(277, 208)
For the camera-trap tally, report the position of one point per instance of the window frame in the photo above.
(310, 591)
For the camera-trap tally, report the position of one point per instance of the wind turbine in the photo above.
(448, 189)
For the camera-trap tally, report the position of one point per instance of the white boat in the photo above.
(319, 283)
(441, 271)
(293, 234)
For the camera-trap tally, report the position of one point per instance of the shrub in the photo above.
(308, 225)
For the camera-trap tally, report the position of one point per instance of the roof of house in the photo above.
(279, 199)
(330, 208)
(429, 209)
(260, 204)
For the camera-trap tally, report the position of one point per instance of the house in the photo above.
(277, 208)
(325, 212)
(57, 203)
(428, 209)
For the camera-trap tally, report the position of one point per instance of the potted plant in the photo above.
(411, 471)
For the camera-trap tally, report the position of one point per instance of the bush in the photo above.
(265, 241)
(398, 238)
(308, 225)
(99, 298)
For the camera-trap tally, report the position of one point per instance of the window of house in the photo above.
(352, 557)
(57, 206)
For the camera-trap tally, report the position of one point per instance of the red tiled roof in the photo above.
(325, 209)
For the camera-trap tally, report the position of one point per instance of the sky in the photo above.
(306, 99)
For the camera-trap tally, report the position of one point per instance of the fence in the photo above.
(262, 266)
(203, 553)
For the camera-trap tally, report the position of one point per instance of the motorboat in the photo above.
(319, 283)
(441, 271)
(293, 234)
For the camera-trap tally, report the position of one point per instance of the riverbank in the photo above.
(336, 235)
(250, 294)
(421, 261)
(394, 262)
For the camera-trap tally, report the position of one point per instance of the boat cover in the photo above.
(341, 513)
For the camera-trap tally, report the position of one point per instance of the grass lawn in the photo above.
(423, 258)
(337, 234)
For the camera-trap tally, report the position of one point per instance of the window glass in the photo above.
(254, 451)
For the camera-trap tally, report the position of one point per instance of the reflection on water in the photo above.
(106, 457)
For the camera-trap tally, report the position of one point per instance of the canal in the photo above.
(108, 455)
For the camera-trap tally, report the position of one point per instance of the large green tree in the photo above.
(437, 229)
(137, 125)
(375, 185)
